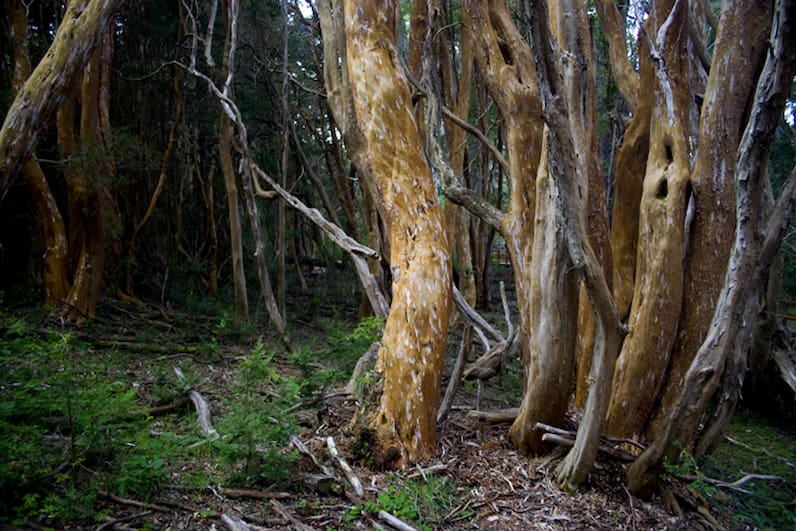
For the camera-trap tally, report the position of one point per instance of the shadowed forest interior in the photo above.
(346, 264)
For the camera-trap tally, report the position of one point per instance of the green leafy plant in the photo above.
(423, 502)
(686, 468)
(257, 424)
(69, 429)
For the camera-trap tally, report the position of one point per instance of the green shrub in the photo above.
(257, 425)
(422, 502)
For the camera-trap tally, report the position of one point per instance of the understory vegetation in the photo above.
(98, 415)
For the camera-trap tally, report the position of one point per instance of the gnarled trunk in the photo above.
(658, 289)
(710, 234)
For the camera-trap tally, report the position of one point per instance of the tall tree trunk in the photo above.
(457, 218)
(415, 334)
(228, 170)
(658, 290)
(551, 321)
(570, 28)
(722, 355)
(84, 25)
(233, 205)
(164, 167)
(710, 233)
(56, 265)
(631, 159)
(85, 191)
(570, 171)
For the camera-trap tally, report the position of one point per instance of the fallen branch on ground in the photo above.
(111, 523)
(607, 445)
(394, 521)
(347, 470)
(202, 409)
(135, 503)
(253, 494)
(495, 417)
(234, 523)
(735, 485)
(295, 522)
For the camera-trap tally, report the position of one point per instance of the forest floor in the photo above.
(97, 431)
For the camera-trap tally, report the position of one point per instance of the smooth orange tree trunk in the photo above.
(413, 346)
(83, 26)
(56, 266)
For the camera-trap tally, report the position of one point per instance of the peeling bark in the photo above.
(413, 346)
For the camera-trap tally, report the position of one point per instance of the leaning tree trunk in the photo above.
(56, 267)
(722, 355)
(710, 233)
(413, 346)
(84, 25)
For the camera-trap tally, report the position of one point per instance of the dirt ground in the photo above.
(495, 487)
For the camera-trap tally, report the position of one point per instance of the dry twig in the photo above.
(295, 522)
(347, 470)
(394, 521)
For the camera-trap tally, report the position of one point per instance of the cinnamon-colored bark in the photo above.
(711, 231)
(415, 334)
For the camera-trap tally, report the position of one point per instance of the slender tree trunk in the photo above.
(551, 321)
(457, 218)
(235, 236)
(164, 167)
